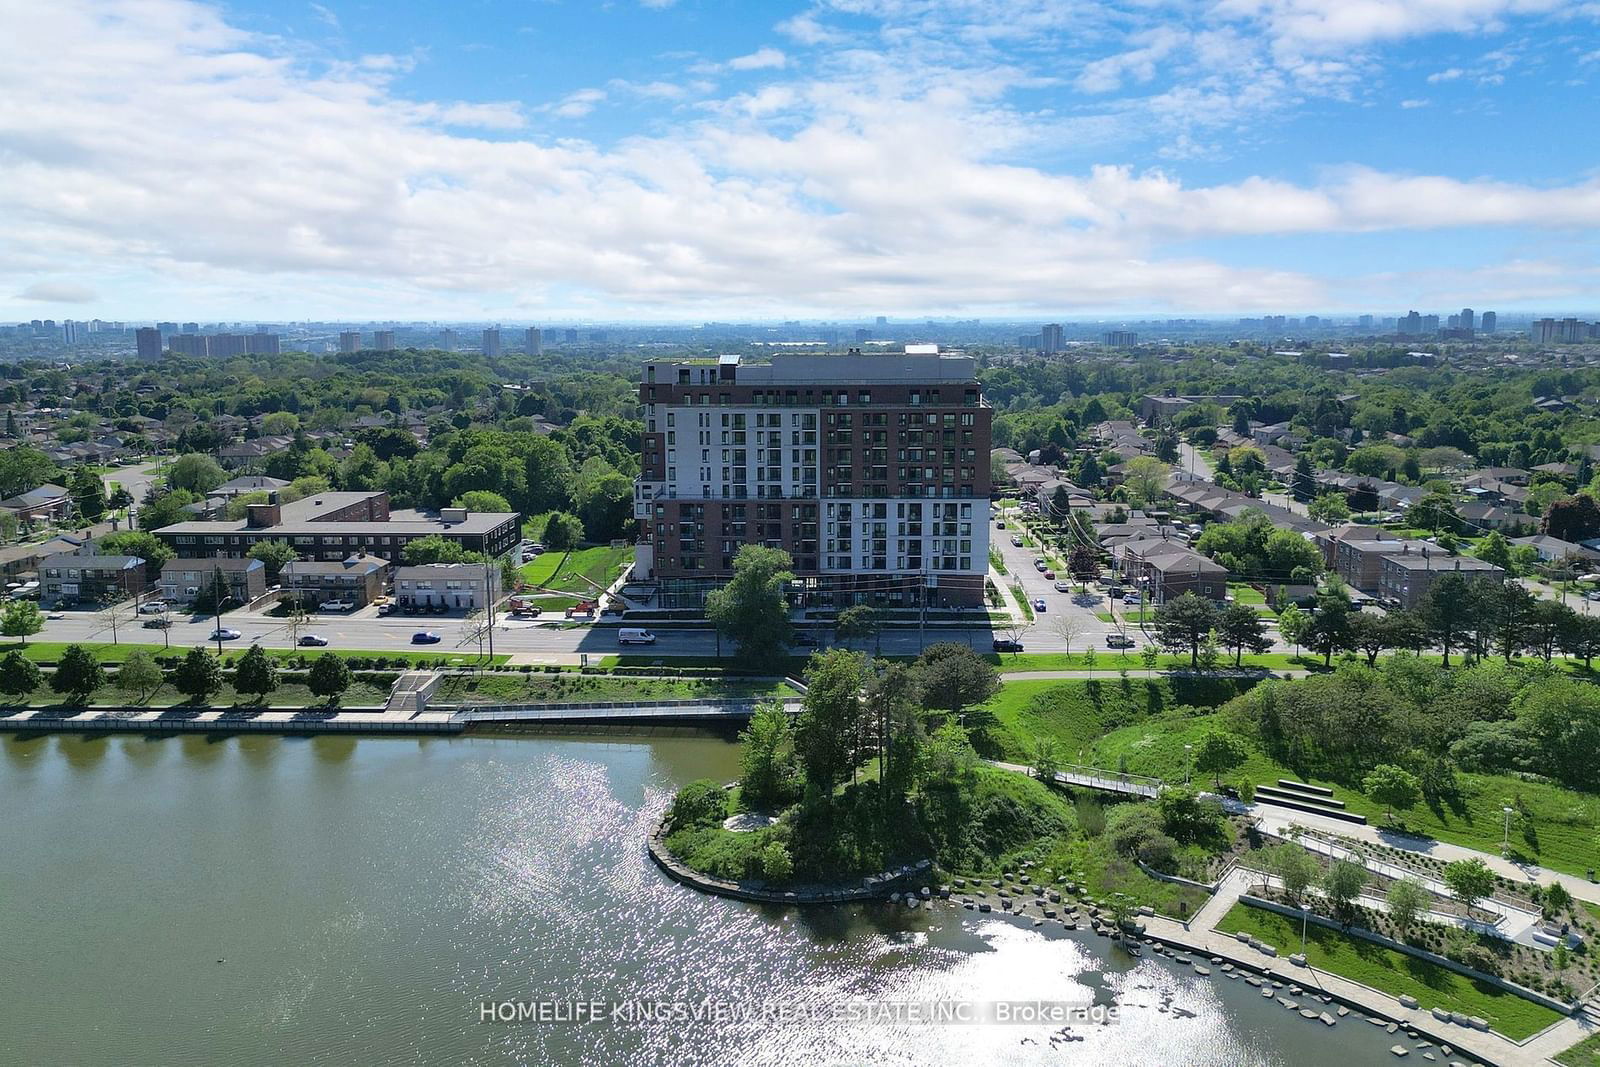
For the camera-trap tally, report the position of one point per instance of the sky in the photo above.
(552, 160)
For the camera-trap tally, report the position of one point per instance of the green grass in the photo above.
(571, 688)
(1247, 594)
(1021, 597)
(1560, 834)
(1132, 618)
(578, 572)
(1585, 1053)
(50, 652)
(1076, 714)
(1109, 658)
(1091, 862)
(287, 695)
(1394, 972)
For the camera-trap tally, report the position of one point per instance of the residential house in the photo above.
(46, 503)
(183, 579)
(1358, 558)
(1479, 517)
(357, 580)
(1554, 549)
(1166, 570)
(1407, 575)
(86, 577)
(458, 586)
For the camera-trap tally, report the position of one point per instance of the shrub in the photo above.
(700, 803)
(776, 863)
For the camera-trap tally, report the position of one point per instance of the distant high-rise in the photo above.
(1411, 324)
(191, 327)
(863, 334)
(1050, 338)
(187, 344)
(448, 340)
(1469, 319)
(350, 341)
(166, 329)
(147, 340)
(263, 343)
(570, 337)
(69, 332)
(1430, 324)
(1488, 322)
(383, 340)
(1364, 322)
(534, 341)
(1119, 339)
(491, 341)
(883, 320)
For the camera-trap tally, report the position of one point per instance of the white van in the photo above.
(635, 637)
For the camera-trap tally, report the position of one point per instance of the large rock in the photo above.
(1408, 1001)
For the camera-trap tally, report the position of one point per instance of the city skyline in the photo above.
(676, 161)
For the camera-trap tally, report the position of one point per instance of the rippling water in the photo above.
(264, 900)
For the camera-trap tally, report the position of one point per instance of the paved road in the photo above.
(1043, 636)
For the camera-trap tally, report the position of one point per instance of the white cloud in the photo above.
(760, 59)
(1449, 75)
(1413, 103)
(325, 16)
(58, 293)
(268, 185)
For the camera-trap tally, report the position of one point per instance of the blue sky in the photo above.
(694, 159)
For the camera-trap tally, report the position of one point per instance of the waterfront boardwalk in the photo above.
(1128, 785)
(232, 720)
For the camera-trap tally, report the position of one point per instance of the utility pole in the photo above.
(488, 597)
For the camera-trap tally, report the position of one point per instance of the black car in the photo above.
(1005, 644)
(157, 624)
(804, 639)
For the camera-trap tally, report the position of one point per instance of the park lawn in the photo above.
(586, 571)
(1110, 658)
(1559, 835)
(1076, 713)
(1394, 972)
(287, 695)
(1246, 594)
(1585, 1053)
(573, 688)
(51, 652)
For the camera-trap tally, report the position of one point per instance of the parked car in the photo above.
(385, 609)
(1063, 586)
(1016, 542)
(425, 637)
(441, 608)
(1118, 641)
(154, 607)
(1131, 599)
(157, 624)
(1593, 594)
(1040, 565)
(335, 605)
(804, 639)
(1049, 576)
(1005, 644)
(1039, 604)
(224, 634)
(1000, 524)
(312, 640)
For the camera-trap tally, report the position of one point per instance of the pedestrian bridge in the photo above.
(1081, 777)
(627, 711)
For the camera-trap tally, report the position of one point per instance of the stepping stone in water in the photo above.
(1202, 971)
(1399, 1050)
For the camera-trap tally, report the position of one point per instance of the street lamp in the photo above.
(1505, 838)
(1305, 920)
(1188, 762)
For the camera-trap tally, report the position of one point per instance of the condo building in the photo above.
(871, 471)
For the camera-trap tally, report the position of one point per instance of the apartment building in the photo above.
(1408, 575)
(871, 471)
(459, 586)
(333, 526)
(86, 577)
(183, 580)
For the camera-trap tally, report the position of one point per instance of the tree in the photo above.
(140, 674)
(1242, 630)
(88, 494)
(1183, 623)
(1469, 881)
(78, 674)
(483, 500)
(1342, 883)
(23, 467)
(1330, 629)
(274, 555)
(1408, 901)
(1512, 604)
(1066, 627)
(1581, 637)
(1446, 611)
(1495, 549)
(142, 543)
(1186, 816)
(19, 675)
(1294, 867)
(829, 726)
(1435, 512)
(1292, 625)
(196, 473)
(563, 531)
(1331, 508)
(605, 504)
(433, 549)
(952, 677)
(1145, 478)
(1576, 518)
(198, 676)
(329, 677)
(1218, 753)
(857, 622)
(1303, 484)
(752, 610)
(256, 672)
(1393, 787)
(22, 618)
(1046, 758)
(765, 761)
(161, 509)
(894, 703)
(1370, 634)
